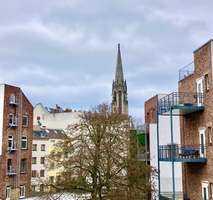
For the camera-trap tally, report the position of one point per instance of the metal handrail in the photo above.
(180, 98)
(186, 71)
(182, 151)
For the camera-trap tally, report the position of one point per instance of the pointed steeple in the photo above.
(119, 88)
(119, 77)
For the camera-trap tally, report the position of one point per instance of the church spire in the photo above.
(119, 77)
(119, 88)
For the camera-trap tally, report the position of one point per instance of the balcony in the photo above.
(186, 154)
(186, 71)
(181, 103)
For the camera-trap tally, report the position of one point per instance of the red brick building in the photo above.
(16, 127)
(197, 127)
(194, 104)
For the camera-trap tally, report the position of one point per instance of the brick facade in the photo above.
(195, 174)
(22, 172)
(151, 109)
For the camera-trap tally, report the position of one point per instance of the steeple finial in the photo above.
(119, 69)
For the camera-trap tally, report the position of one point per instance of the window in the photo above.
(205, 190)
(22, 191)
(209, 132)
(34, 160)
(41, 188)
(23, 142)
(10, 142)
(8, 192)
(42, 160)
(206, 78)
(12, 99)
(33, 188)
(9, 165)
(43, 147)
(34, 148)
(33, 173)
(25, 120)
(51, 179)
(23, 168)
(52, 165)
(42, 173)
(58, 178)
(11, 118)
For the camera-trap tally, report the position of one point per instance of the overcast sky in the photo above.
(64, 51)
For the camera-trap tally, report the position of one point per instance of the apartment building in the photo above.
(54, 118)
(193, 103)
(158, 131)
(43, 171)
(16, 125)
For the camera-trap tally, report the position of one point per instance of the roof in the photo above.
(43, 133)
(119, 77)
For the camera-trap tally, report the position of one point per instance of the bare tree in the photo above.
(98, 157)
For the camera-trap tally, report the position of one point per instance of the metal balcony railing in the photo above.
(181, 100)
(186, 71)
(178, 153)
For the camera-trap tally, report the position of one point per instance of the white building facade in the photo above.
(55, 118)
(164, 139)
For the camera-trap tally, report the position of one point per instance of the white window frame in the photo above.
(24, 140)
(22, 191)
(200, 90)
(12, 99)
(205, 184)
(11, 142)
(25, 125)
(8, 191)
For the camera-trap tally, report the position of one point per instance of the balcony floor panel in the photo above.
(184, 160)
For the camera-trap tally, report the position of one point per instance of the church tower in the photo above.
(119, 88)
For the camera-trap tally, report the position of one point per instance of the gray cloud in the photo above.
(65, 51)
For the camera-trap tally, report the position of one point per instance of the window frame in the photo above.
(10, 142)
(42, 160)
(34, 159)
(36, 146)
(6, 191)
(24, 170)
(22, 191)
(34, 172)
(43, 149)
(43, 173)
(24, 140)
(27, 120)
